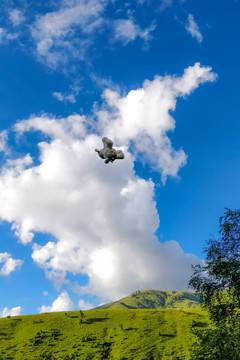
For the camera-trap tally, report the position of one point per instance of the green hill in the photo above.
(164, 334)
(155, 299)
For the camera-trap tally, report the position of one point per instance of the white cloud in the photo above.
(84, 305)
(103, 217)
(55, 33)
(68, 98)
(5, 36)
(103, 82)
(192, 27)
(16, 16)
(9, 265)
(3, 141)
(142, 116)
(165, 4)
(10, 312)
(62, 303)
(126, 30)
(67, 34)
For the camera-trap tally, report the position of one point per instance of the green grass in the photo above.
(155, 299)
(101, 334)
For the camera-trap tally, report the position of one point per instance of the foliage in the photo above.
(217, 282)
(217, 343)
(102, 334)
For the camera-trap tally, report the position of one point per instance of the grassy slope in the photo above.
(101, 334)
(155, 299)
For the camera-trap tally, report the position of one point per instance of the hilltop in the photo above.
(155, 299)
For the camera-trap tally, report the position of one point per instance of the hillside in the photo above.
(155, 299)
(101, 335)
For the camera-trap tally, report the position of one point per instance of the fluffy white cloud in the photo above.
(192, 27)
(84, 305)
(10, 312)
(103, 217)
(62, 303)
(142, 117)
(16, 16)
(55, 32)
(9, 264)
(127, 30)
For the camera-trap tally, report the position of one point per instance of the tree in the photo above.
(81, 316)
(217, 282)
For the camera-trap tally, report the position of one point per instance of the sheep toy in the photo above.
(108, 152)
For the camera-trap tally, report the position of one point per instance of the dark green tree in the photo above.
(81, 316)
(217, 282)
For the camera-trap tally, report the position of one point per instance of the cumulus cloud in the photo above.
(10, 312)
(16, 16)
(192, 27)
(142, 117)
(9, 264)
(127, 30)
(103, 217)
(62, 303)
(84, 305)
(56, 33)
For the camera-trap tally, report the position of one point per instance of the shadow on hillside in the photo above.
(93, 320)
(73, 316)
(41, 336)
(200, 324)
(38, 321)
(5, 336)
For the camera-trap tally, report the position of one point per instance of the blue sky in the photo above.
(160, 78)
